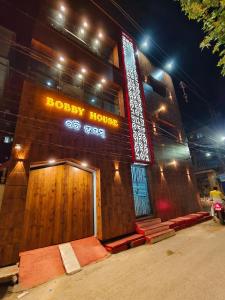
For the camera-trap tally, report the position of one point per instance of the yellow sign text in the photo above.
(80, 111)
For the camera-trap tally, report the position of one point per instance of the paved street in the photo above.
(190, 265)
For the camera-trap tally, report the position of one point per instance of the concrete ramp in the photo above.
(41, 265)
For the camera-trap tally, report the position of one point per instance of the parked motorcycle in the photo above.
(219, 209)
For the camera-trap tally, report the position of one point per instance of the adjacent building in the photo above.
(91, 134)
(208, 156)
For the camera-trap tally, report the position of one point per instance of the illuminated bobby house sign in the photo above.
(141, 152)
(81, 112)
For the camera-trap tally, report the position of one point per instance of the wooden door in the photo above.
(59, 206)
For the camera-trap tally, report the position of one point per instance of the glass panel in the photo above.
(140, 190)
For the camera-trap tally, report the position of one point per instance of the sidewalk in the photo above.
(178, 268)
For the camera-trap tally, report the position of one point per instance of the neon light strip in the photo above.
(140, 149)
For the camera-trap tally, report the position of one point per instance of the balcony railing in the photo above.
(106, 99)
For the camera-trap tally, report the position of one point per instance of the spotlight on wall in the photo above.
(169, 65)
(174, 163)
(59, 66)
(49, 83)
(84, 164)
(223, 138)
(51, 161)
(162, 108)
(18, 147)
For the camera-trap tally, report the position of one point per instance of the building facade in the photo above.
(91, 134)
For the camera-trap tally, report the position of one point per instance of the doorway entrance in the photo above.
(59, 206)
(140, 191)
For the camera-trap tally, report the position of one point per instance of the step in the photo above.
(180, 227)
(153, 229)
(169, 223)
(177, 221)
(204, 213)
(206, 218)
(197, 216)
(144, 218)
(8, 274)
(148, 222)
(138, 242)
(157, 237)
(117, 249)
(123, 241)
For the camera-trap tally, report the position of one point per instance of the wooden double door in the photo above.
(59, 206)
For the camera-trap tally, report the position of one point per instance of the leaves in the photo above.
(211, 14)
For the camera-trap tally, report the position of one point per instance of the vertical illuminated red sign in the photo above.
(135, 104)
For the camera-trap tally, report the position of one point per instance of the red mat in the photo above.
(39, 266)
(88, 250)
(44, 264)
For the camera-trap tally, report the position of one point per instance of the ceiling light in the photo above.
(51, 161)
(62, 8)
(49, 83)
(100, 35)
(93, 100)
(83, 70)
(85, 24)
(103, 80)
(59, 66)
(80, 76)
(208, 154)
(84, 164)
(61, 58)
(97, 42)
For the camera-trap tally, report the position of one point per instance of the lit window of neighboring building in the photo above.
(7, 139)
(199, 135)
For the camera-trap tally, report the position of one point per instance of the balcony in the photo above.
(105, 96)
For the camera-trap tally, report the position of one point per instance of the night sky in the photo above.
(179, 37)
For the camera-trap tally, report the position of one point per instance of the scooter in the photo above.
(220, 212)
